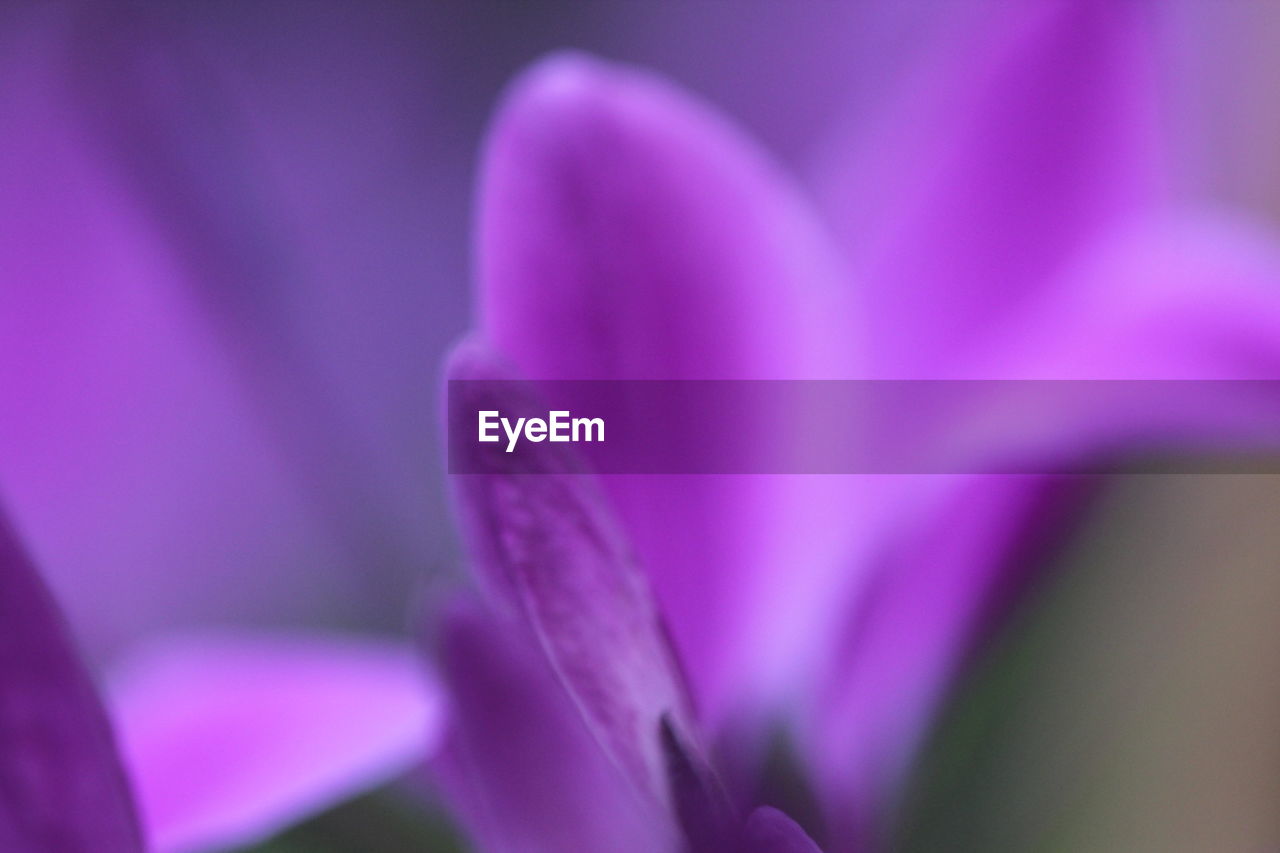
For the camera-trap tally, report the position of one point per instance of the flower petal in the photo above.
(1186, 295)
(1030, 137)
(518, 764)
(231, 737)
(770, 831)
(64, 789)
(702, 807)
(1181, 298)
(942, 583)
(628, 232)
(545, 543)
(127, 443)
(226, 128)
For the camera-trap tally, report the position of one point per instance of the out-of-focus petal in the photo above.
(544, 541)
(1181, 298)
(231, 737)
(127, 444)
(770, 831)
(1185, 295)
(282, 158)
(64, 791)
(1028, 138)
(943, 577)
(628, 232)
(518, 763)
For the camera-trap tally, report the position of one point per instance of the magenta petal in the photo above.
(629, 232)
(246, 166)
(1032, 136)
(231, 737)
(1185, 298)
(518, 764)
(544, 541)
(1182, 296)
(770, 831)
(64, 791)
(944, 581)
(1179, 297)
(128, 446)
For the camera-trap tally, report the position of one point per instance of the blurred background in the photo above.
(236, 244)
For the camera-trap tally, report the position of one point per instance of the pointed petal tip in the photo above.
(571, 107)
(562, 77)
(567, 83)
(603, 190)
(561, 96)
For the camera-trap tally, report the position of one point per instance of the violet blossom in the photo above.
(1008, 219)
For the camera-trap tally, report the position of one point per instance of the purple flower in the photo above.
(1008, 219)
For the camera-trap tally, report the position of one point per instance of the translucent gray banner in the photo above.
(867, 426)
